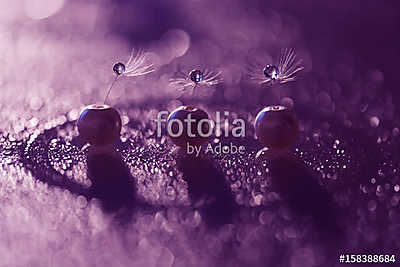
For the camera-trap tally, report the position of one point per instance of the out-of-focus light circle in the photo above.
(172, 44)
(374, 121)
(40, 9)
(287, 102)
(376, 76)
(179, 41)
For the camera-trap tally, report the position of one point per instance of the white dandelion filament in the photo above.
(288, 66)
(138, 64)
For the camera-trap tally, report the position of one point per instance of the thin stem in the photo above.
(279, 95)
(193, 89)
(109, 90)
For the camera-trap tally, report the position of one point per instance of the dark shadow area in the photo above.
(300, 190)
(143, 21)
(112, 184)
(111, 180)
(208, 190)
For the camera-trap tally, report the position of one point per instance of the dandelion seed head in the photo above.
(284, 71)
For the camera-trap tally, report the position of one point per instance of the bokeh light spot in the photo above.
(41, 9)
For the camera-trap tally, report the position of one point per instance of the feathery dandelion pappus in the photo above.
(285, 71)
(138, 64)
(188, 82)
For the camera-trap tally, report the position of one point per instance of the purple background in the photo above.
(57, 57)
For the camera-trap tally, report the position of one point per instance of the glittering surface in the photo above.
(338, 192)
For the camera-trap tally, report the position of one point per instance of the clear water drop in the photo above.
(196, 76)
(271, 71)
(119, 68)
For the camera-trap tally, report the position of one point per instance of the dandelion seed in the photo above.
(285, 71)
(188, 82)
(139, 64)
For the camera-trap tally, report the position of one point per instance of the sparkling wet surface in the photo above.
(40, 174)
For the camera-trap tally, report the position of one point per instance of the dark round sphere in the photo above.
(177, 121)
(119, 68)
(99, 125)
(271, 71)
(277, 127)
(196, 76)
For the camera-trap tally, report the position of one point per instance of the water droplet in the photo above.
(196, 76)
(119, 68)
(271, 71)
